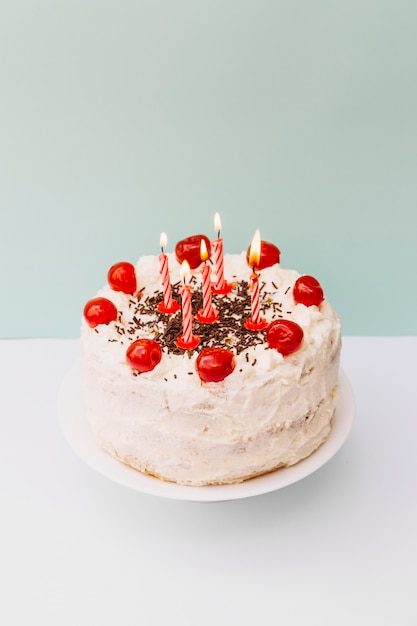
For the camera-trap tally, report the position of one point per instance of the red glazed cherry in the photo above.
(189, 249)
(143, 354)
(307, 290)
(122, 277)
(99, 311)
(270, 255)
(214, 364)
(285, 336)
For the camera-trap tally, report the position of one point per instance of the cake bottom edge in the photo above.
(309, 447)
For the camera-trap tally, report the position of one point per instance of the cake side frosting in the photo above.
(270, 411)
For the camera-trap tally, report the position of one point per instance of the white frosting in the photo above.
(270, 411)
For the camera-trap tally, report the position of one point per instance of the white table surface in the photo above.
(339, 547)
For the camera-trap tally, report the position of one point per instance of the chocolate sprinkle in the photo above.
(228, 332)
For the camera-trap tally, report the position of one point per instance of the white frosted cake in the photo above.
(242, 402)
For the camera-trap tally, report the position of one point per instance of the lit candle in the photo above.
(220, 287)
(256, 322)
(187, 340)
(208, 313)
(169, 305)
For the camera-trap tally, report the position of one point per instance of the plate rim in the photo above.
(80, 439)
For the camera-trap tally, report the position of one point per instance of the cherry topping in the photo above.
(214, 364)
(270, 255)
(307, 290)
(122, 277)
(99, 311)
(285, 336)
(189, 249)
(143, 354)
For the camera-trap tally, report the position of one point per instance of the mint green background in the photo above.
(123, 119)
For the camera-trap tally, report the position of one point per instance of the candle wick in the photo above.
(218, 234)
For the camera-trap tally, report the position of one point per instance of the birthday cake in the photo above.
(202, 370)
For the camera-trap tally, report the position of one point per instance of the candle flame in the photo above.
(217, 223)
(163, 240)
(255, 249)
(203, 250)
(185, 271)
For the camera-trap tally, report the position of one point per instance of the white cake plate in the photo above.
(80, 438)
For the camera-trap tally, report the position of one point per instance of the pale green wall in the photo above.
(121, 119)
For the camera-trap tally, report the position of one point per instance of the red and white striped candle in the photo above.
(164, 271)
(256, 311)
(208, 310)
(220, 285)
(208, 313)
(187, 341)
(255, 322)
(218, 254)
(207, 307)
(187, 317)
(169, 305)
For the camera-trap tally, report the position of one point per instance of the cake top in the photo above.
(222, 311)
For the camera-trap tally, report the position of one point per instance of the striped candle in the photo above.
(166, 284)
(208, 313)
(218, 263)
(255, 322)
(169, 305)
(256, 313)
(220, 287)
(207, 308)
(187, 341)
(187, 317)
